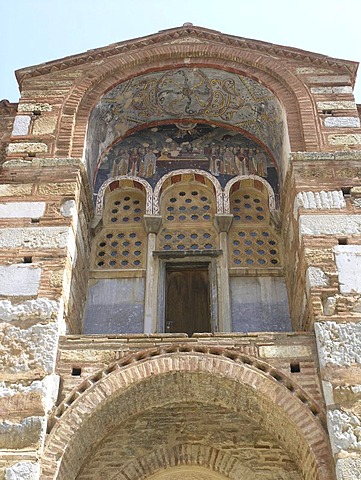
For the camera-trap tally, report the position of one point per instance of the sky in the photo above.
(37, 31)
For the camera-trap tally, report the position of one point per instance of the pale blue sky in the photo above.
(36, 31)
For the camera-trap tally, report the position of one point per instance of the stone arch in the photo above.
(210, 179)
(119, 181)
(228, 187)
(282, 407)
(265, 69)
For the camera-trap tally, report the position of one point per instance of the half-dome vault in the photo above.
(185, 113)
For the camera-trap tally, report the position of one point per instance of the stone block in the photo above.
(27, 352)
(38, 237)
(23, 471)
(329, 79)
(345, 430)
(285, 351)
(22, 209)
(34, 107)
(19, 280)
(19, 400)
(21, 125)
(27, 433)
(316, 277)
(348, 263)
(68, 188)
(349, 468)
(336, 105)
(27, 147)
(68, 208)
(44, 125)
(39, 308)
(320, 200)
(331, 90)
(330, 224)
(338, 344)
(342, 122)
(10, 190)
(351, 139)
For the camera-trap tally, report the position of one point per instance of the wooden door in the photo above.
(187, 307)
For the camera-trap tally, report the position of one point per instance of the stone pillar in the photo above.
(223, 223)
(43, 241)
(152, 225)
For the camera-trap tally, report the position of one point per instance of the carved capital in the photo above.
(152, 223)
(223, 221)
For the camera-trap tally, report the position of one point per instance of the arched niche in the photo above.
(213, 377)
(185, 97)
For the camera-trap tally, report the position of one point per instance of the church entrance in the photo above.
(187, 304)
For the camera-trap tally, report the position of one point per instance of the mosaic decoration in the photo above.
(153, 152)
(197, 95)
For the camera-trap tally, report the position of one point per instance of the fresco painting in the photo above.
(189, 95)
(152, 152)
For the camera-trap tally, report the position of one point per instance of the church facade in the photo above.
(180, 241)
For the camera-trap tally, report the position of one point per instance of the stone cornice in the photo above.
(188, 34)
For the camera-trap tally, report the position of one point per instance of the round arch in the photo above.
(240, 178)
(266, 70)
(234, 381)
(198, 174)
(119, 182)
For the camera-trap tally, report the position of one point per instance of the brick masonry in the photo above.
(72, 406)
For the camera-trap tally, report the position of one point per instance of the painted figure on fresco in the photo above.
(153, 152)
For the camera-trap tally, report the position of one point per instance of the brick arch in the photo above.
(187, 455)
(132, 385)
(263, 68)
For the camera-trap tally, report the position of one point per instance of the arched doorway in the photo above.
(187, 406)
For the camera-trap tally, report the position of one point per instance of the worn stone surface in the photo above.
(68, 208)
(348, 262)
(37, 397)
(320, 200)
(19, 280)
(330, 224)
(342, 122)
(27, 147)
(339, 140)
(345, 428)
(9, 190)
(331, 90)
(338, 343)
(23, 471)
(40, 308)
(349, 468)
(38, 237)
(44, 125)
(336, 105)
(281, 351)
(26, 433)
(22, 209)
(25, 352)
(21, 125)
(316, 277)
(33, 107)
